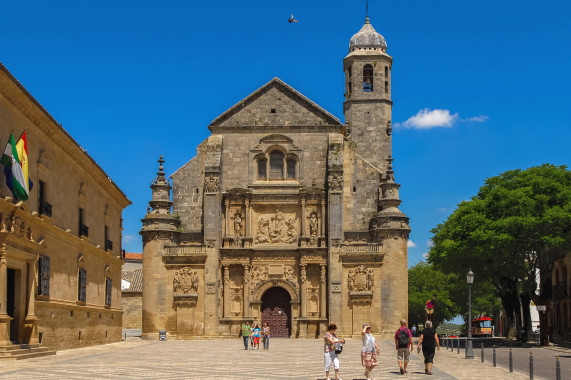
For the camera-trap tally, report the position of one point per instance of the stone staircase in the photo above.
(24, 351)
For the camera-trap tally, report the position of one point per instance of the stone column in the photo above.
(323, 294)
(226, 292)
(4, 317)
(248, 219)
(31, 321)
(246, 290)
(227, 217)
(303, 278)
(303, 233)
(322, 232)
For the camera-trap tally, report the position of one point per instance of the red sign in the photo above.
(429, 304)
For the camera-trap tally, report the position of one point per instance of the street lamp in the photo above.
(469, 348)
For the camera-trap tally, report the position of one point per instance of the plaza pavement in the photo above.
(227, 359)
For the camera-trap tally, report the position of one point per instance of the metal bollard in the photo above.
(458, 345)
(511, 361)
(482, 352)
(531, 365)
(557, 369)
(494, 360)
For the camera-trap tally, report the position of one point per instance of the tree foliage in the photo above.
(424, 283)
(516, 225)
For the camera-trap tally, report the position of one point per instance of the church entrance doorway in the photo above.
(276, 311)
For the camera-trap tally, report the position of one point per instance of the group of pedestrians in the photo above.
(251, 333)
(333, 346)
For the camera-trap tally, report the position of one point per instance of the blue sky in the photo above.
(478, 87)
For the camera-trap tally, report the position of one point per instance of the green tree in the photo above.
(426, 283)
(512, 229)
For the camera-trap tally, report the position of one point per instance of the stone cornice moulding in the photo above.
(23, 101)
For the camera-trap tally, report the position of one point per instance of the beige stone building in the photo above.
(285, 215)
(132, 292)
(60, 265)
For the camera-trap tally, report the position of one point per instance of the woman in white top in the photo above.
(369, 351)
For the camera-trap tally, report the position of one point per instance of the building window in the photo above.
(350, 79)
(386, 71)
(262, 168)
(44, 208)
(386, 87)
(44, 276)
(290, 169)
(367, 78)
(108, 243)
(276, 165)
(108, 289)
(81, 285)
(83, 229)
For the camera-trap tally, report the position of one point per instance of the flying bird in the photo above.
(291, 19)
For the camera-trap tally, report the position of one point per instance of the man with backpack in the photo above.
(403, 340)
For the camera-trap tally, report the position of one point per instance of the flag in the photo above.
(22, 148)
(13, 171)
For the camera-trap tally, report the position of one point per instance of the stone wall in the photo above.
(132, 306)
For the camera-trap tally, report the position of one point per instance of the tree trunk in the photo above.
(526, 325)
(511, 304)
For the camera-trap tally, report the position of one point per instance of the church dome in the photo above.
(367, 38)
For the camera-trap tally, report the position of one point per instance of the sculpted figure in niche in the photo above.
(238, 224)
(313, 224)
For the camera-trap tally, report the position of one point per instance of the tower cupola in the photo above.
(367, 39)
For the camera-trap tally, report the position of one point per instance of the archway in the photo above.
(276, 310)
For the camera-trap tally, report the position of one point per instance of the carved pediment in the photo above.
(274, 105)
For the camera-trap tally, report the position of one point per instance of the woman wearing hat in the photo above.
(369, 351)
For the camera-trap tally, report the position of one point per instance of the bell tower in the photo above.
(368, 104)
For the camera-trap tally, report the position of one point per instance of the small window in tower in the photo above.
(262, 162)
(386, 71)
(273, 110)
(367, 78)
(276, 165)
(386, 87)
(290, 169)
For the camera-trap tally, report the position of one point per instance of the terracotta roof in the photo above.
(133, 256)
(135, 277)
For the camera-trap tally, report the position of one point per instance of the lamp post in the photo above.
(469, 349)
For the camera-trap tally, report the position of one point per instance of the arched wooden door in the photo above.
(276, 310)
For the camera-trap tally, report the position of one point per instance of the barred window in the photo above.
(81, 285)
(276, 165)
(262, 162)
(44, 276)
(290, 169)
(108, 289)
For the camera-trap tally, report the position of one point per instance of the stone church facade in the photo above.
(285, 215)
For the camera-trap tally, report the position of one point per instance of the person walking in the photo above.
(330, 356)
(413, 330)
(369, 351)
(266, 336)
(429, 341)
(256, 332)
(403, 340)
(245, 333)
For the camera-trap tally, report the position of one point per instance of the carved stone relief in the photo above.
(360, 279)
(276, 229)
(211, 183)
(185, 281)
(335, 181)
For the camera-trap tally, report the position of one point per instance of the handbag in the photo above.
(338, 348)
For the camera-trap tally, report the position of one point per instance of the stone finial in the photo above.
(161, 174)
(390, 176)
